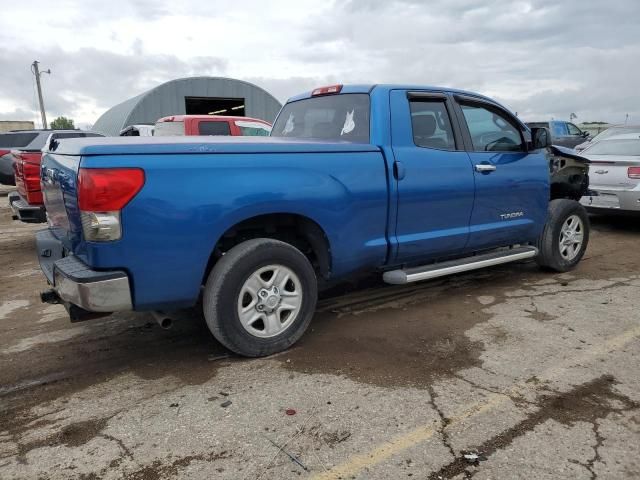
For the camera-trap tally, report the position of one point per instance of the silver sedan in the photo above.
(609, 132)
(614, 175)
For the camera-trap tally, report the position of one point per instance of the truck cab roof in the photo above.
(368, 88)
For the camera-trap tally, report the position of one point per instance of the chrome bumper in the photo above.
(612, 200)
(77, 284)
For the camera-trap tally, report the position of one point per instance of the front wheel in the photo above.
(565, 236)
(260, 297)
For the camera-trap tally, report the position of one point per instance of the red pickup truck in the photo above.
(179, 125)
(26, 202)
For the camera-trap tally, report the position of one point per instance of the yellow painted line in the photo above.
(359, 462)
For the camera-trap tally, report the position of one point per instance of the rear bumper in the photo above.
(609, 201)
(24, 212)
(77, 284)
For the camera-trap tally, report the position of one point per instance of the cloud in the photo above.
(18, 114)
(92, 77)
(542, 58)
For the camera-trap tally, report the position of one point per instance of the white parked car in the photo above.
(614, 175)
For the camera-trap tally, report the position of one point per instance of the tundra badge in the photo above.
(507, 216)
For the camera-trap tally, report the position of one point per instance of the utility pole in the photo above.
(36, 71)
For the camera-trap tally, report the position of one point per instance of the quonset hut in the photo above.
(194, 95)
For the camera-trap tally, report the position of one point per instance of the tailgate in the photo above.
(59, 174)
(609, 174)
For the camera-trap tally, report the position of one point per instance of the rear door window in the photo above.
(214, 128)
(490, 130)
(431, 125)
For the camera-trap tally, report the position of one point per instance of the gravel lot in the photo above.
(537, 373)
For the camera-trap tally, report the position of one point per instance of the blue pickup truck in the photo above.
(411, 182)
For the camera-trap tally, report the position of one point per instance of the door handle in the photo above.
(485, 168)
(398, 170)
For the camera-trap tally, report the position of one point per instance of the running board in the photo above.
(399, 277)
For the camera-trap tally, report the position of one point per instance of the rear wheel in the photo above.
(260, 297)
(565, 236)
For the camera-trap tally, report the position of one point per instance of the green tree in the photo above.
(62, 123)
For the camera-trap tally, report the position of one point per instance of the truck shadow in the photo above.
(616, 223)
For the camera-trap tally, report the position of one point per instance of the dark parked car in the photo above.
(26, 202)
(11, 141)
(565, 134)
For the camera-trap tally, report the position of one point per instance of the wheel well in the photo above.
(301, 232)
(569, 178)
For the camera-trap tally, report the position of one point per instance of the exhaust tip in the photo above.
(164, 320)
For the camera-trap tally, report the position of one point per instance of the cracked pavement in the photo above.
(535, 373)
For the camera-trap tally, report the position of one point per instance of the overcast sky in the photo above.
(542, 58)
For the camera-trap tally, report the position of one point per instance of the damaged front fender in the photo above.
(569, 173)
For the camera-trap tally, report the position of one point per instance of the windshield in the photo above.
(168, 129)
(253, 129)
(331, 117)
(629, 147)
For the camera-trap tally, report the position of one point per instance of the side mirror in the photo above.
(541, 137)
(585, 134)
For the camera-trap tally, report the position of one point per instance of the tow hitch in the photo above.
(50, 296)
(76, 314)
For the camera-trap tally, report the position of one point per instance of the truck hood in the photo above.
(185, 145)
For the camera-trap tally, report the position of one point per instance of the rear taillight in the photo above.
(633, 172)
(102, 193)
(31, 174)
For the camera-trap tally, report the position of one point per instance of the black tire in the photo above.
(224, 285)
(550, 256)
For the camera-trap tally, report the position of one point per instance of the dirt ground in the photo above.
(504, 373)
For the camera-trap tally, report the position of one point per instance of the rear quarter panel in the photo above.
(189, 200)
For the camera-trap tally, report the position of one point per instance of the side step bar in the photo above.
(399, 277)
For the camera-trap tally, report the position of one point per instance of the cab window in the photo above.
(213, 128)
(573, 130)
(558, 129)
(340, 118)
(490, 130)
